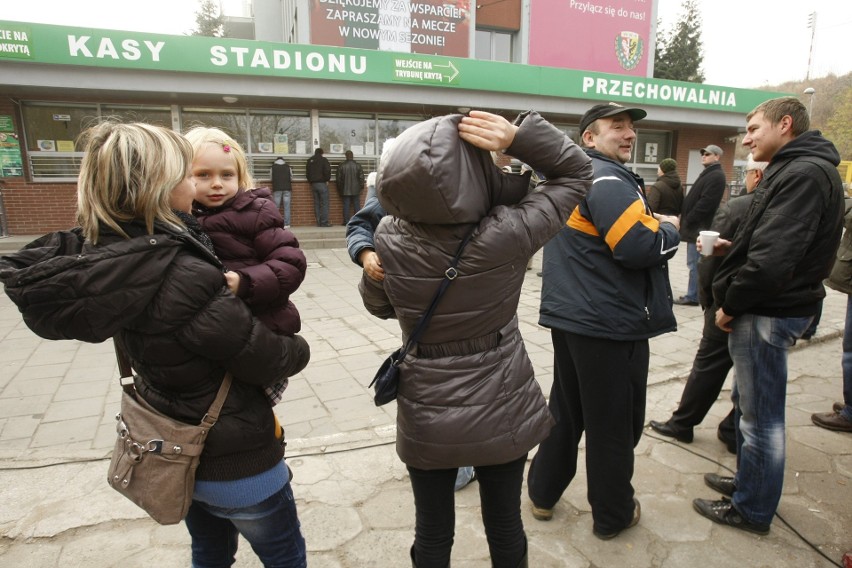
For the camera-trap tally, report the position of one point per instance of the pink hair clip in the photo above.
(226, 148)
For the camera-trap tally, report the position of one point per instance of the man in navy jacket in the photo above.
(605, 292)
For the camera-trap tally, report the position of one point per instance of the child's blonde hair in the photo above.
(201, 135)
(127, 173)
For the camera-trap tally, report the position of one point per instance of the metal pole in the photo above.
(811, 24)
(810, 92)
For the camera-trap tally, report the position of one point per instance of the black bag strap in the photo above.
(449, 275)
(126, 371)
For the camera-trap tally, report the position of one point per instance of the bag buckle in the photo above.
(451, 273)
(121, 427)
(137, 449)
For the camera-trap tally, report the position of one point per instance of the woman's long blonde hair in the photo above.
(129, 172)
(198, 136)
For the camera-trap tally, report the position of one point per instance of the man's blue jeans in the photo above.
(271, 528)
(282, 201)
(847, 362)
(692, 258)
(320, 190)
(758, 346)
(350, 206)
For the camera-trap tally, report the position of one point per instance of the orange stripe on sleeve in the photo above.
(577, 221)
(632, 215)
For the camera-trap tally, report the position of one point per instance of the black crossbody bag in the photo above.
(386, 381)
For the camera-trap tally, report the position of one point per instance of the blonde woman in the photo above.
(133, 272)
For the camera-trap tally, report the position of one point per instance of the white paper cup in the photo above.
(708, 240)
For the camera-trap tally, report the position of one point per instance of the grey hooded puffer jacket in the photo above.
(467, 393)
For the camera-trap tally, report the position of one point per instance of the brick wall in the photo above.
(38, 208)
(687, 139)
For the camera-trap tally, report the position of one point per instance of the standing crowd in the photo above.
(189, 268)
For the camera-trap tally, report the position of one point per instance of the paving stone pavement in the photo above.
(58, 399)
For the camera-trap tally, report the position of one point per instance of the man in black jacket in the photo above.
(318, 172)
(699, 206)
(769, 288)
(712, 361)
(350, 183)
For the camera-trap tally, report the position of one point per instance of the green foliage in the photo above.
(679, 53)
(209, 20)
(838, 128)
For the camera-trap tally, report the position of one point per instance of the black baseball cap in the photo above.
(608, 109)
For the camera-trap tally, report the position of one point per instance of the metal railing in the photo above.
(65, 166)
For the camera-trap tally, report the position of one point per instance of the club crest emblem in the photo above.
(628, 48)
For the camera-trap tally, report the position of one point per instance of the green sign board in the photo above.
(61, 45)
(6, 123)
(11, 163)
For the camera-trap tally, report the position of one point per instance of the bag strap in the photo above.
(126, 371)
(449, 275)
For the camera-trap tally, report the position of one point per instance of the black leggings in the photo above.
(500, 495)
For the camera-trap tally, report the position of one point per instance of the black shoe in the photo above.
(724, 513)
(666, 429)
(684, 301)
(637, 514)
(721, 483)
(730, 443)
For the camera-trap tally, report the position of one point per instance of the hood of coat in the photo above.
(431, 175)
(671, 179)
(67, 289)
(810, 143)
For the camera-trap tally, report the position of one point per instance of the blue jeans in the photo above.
(282, 200)
(463, 477)
(350, 206)
(271, 528)
(847, 362)
(692, 258)
(758, 346)
(320, 191)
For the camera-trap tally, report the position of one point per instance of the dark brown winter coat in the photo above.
(467, 394)
(163, 297)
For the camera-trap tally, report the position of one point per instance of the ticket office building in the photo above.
(339, 99)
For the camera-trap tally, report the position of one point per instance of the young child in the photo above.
(263, 260)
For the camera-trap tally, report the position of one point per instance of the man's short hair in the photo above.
(348, 154)
(776, 109)
(605, 110)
